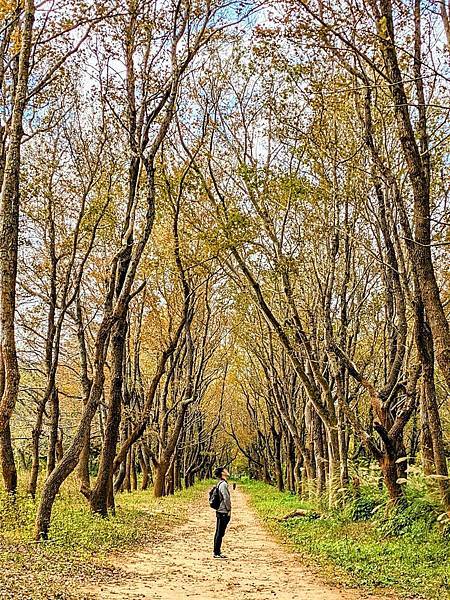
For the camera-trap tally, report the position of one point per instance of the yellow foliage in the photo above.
(6, 8)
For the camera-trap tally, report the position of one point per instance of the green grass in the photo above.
(79, 543)
(413, 564)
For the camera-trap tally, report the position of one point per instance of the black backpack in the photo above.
(215, 497)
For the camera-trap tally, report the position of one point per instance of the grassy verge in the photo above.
(414, 564)
(79, 542)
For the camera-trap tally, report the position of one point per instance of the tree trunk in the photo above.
(420, 250)
(64, 468)
(9, 232)
(299, 478)
(334, 471)
(118, 483)
(267, 477)
(99, 495)
(23, 459)
(278, 463)
(440, 460)
(390, 476)
(414, 439)
(59, 451)
(7, 461)
(83, 465)
(127, 478)
(426, 443)
(53, 437)
(319, 453)
(110, 502)
(133, 470)
(143, 462)
(177, 474)
(35, 447)
(433, 433)
(291, 460)
(343, 449)
(159, 479)
(170, 481)
(70, 459)
(431, 425)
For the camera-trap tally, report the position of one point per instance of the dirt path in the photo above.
(181, 566)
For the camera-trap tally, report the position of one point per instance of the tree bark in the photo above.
(319, 453)
(143, 462)
(72, 455)
(159, 479)
(9, 229)
(390, 476)
(53, 437)
(432, 434)
(278, 464)
(7, 461)
(133, 470)
(35, 449)
(83, 467)
(127, 479)
(418, 175)
(99, 494)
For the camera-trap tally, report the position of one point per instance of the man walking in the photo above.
(223, 513)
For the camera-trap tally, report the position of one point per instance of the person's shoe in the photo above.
(219, 556)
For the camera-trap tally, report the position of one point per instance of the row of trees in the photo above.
(90, 104)
(223, 230)
(349, 197)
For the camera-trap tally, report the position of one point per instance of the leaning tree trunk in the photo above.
(70, 459)
(83, 465)
(162, 465)
(99, 494)
(120, 477)
(61, 472)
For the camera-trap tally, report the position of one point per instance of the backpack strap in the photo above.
(218, 487)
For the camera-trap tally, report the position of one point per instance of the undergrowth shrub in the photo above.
(361, 543)
(417, 517)
(362, 508)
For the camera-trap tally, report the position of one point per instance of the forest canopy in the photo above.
(224, 240)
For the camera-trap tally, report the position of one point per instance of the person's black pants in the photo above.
(222, 521)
